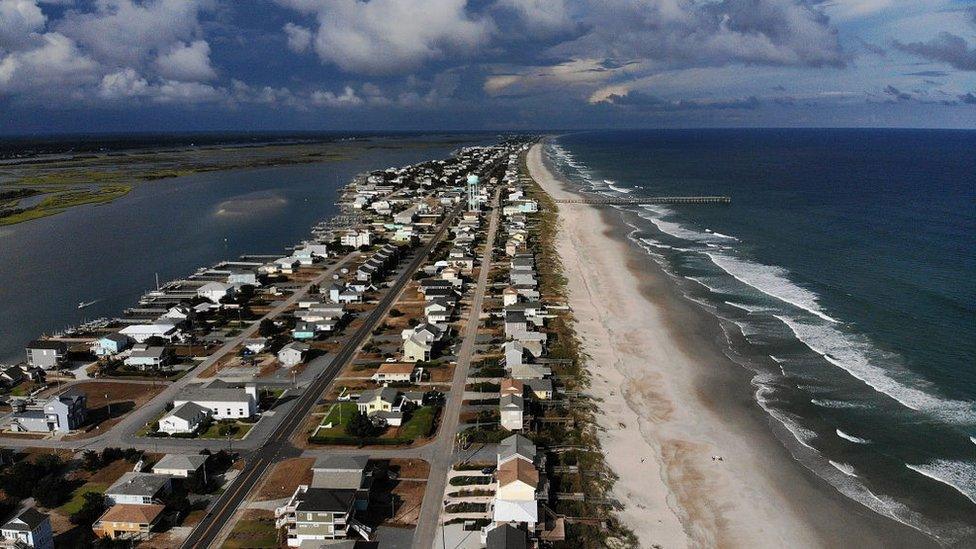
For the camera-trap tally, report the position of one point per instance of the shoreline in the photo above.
(672, 403)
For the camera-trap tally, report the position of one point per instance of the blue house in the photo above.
(304, 330)
(111, 344)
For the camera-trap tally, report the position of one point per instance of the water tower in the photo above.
(473, 193)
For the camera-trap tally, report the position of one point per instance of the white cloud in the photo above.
(541, 15)
(299, 37)
(53, 64)
(123, 84)
(19, 19)
(584, 73)
(187, 62)
(347, 98)
(125, 33)
(170, 91)
(393, 36)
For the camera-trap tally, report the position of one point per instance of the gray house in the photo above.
(46, 353)
(64, 412)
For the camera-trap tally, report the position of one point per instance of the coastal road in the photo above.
(278, 446)
(441, 451)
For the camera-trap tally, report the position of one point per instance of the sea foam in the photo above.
(771, 281)
(854, 356)
(959, 475)
(852, 438)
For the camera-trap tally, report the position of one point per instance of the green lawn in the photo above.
(78, 497)
(420, 424)
(252, 534)
(342, 410)
(240, 429)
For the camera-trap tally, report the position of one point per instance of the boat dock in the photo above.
(648, 200)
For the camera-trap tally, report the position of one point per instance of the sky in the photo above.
(208, 65)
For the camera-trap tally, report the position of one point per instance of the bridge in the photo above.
(649, 200)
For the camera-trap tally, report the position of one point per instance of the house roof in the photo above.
(188, 411)
(340, 463)
(47, 344)
(516, 445)
(396, 368)
(387, 394)
(181, 462)
(26, 520)
(116, 337)
(516, 511)
(135, 514)
(327, 500)
(514, 402)
(512, 386)
(517, 470)
(506, 536)
(138, 484)
(213, 394)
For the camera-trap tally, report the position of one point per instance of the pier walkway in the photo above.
(648, 200)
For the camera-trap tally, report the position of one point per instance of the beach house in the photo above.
(185, 418)
(180, 465)
(126, 521)
(28, 528)
(134, 488)
(65, 412)
(47, 353)
(223, 402)
(215, 291)
(111, 344)
(293, 353)
(396, 372)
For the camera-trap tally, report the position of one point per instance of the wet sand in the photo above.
(698, 464)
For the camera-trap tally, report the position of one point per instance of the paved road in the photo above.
(441, 451)
(278, 446)
(124, 432)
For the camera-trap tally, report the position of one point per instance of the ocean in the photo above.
(844, 275)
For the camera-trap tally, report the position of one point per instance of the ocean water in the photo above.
(844, 272)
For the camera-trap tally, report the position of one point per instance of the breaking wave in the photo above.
(959, 475)
(852, 438)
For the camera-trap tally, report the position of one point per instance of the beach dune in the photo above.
(697, 464)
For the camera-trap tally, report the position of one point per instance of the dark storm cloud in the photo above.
(945, 48)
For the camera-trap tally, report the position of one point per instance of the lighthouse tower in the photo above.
(474, 196)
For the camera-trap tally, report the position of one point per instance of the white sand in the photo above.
(659, 433)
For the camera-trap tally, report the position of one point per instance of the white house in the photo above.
(30, 528)
(395, 372)
(141, 332)
(147, 357)
(185, 418)
(293, 353)
(179, 465)
(138, 489)
(215, 291)
(418, 342)
(356, 239)
(511, 408)
(223, 402)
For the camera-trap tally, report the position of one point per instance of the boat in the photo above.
(83, 304)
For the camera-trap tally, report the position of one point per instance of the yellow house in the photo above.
(128, 521)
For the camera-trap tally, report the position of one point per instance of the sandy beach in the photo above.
(697, 463)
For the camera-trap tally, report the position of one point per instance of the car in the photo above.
(488, 470)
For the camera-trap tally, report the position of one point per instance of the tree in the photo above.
(50, 491)
(90, 460)
(267, 328)
(359, 426)
(92, 508)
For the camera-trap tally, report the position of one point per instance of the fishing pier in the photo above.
(648, 200)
